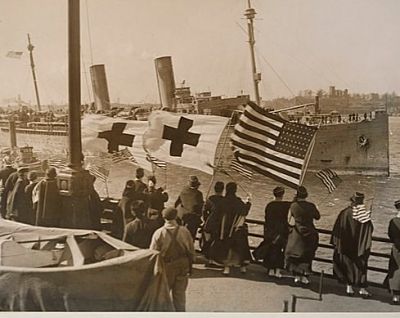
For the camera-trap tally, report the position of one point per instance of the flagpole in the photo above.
(105, 183)
(220, 155)
(308, 157)
(309, 153)
(166, 176)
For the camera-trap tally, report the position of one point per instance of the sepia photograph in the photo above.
(212, 157)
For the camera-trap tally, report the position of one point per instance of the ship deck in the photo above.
(210, 291)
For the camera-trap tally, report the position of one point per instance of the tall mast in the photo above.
(30, 49)
(250, 14)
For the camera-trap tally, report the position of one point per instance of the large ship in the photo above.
(348, 141)
(352, 141)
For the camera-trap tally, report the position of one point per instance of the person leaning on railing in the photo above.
(352, 239)
(392, 280)
(303, 237)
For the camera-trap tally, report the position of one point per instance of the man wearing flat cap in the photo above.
(190, 205)
(175, 244)
(352, 238)
(276, 231)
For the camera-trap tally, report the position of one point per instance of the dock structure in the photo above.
(210, 291)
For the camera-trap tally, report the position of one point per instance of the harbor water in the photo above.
(380, 192)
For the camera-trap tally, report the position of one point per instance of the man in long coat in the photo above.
(48, 198)
(8, 187)
(4, 174)
(352, 239)
(17, 202)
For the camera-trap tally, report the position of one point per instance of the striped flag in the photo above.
(361, 214)
(14, 54)
(122, 155)
(99, 172)
(273, 146)
(329, 178)
(158, 163)
(238, 167)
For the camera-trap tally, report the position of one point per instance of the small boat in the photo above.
(54, 269)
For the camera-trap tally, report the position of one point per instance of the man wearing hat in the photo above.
(139, 231)
(276, 231)
(5, 172)
(175, 244)
(17, 201)
(352, 238)
(48, 201)
(190, 204)
(139, 185)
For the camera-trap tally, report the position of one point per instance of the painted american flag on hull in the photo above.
(272, 146)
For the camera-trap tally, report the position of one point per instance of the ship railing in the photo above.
(256, 228)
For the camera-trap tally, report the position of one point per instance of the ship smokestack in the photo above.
(166, 82)
(317, 107)
(100, 88)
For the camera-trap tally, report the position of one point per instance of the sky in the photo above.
(300, 44)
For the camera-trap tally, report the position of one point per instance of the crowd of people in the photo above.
(142, 219)
(291, 240)
(25, 198)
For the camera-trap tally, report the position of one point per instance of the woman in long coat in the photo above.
(393, 278)
(276, 230)
(352, 239)
(303, 237)
(232, 246)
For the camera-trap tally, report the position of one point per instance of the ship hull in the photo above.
(353, 148)
(360, 148)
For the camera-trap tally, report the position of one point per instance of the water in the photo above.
(381, 192)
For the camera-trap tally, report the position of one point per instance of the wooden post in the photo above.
(320, 284)
(285, 306)
(74, 182)
(294, 301)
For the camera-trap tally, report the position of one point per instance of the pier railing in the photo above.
(111, 204)
(326, 260)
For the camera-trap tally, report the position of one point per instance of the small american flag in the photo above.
(329, 178)
(158, 163)
(99, 172)
(14, 54)
(361, 214)
(272, 146)
(122, 155)
(238, 167)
